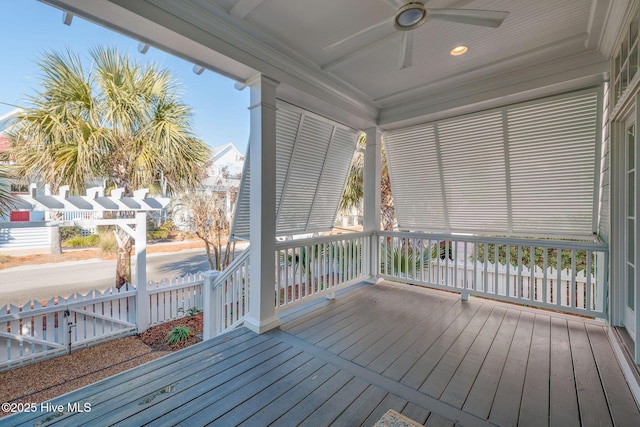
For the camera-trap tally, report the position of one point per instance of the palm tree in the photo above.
(115, 119)
(354, 188)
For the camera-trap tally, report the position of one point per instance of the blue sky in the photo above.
(29, 28)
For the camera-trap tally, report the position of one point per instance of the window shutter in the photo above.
(523, 170)
(313, 157)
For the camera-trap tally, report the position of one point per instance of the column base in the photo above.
(260, 327)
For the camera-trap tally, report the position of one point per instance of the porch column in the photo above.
(262, 225)
(372, 173)
(142, 297)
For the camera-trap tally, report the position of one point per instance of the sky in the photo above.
(29, 28)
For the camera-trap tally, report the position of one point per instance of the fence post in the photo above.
(209, 321)
(142, 294)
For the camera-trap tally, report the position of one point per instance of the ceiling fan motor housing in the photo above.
(410, 16)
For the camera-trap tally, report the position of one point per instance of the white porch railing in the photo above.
(226, 296)
(310, 268)
(499, 268)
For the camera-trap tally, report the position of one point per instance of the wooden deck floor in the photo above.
(427, 354)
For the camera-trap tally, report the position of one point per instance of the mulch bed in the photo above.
(155, 337)
(45, 380)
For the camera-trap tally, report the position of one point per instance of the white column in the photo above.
(372, 173)
(262, 226)
(211, 307)
(142, 297)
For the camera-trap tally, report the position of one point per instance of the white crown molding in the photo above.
(503, 67)
(619, 14)
(587, 69)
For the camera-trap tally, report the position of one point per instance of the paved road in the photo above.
(42, 282)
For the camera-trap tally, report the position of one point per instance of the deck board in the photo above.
(534, 410)
(402, 313)
(299, 412)
(484, 388)
(619, 401)
(465, 375)
(294, 396)
(417, 374)
(405, 333)
(451, 356)
(424, 353)
(506, 406)
(366, 403)
(563, 406)
(336, 404)
(186, 398)
(453, 318)
(593, 406)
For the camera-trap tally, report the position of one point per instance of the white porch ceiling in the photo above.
(542, 47)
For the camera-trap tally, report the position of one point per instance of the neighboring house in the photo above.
(29, 225)
(227, 157)
(225, 173)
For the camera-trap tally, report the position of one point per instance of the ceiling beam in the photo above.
(244, 7)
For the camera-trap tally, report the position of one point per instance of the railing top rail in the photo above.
(231, 268)
(288, 244)
(540, 243)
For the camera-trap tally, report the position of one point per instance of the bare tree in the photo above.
(205, 213)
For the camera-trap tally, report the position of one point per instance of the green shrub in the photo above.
(178, 334)
(168, 225)
(81, 241)
(157, 234)
(67, 233)
(108, 244)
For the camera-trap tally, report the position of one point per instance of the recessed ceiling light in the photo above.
(459, 50)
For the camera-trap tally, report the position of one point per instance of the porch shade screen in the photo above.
(527, 169)
(313, 157)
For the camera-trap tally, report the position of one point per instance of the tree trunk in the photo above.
(56, 244)
(123, 260)
(208, 248)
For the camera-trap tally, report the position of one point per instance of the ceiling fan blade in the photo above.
(395, 4)
(406, 50)
(485, 18)
(358, 34)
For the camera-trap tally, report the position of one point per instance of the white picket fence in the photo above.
(170, 299)
(38, 331)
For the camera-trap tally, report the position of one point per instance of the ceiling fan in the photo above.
(411, 15)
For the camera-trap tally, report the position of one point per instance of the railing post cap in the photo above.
(211, 273)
